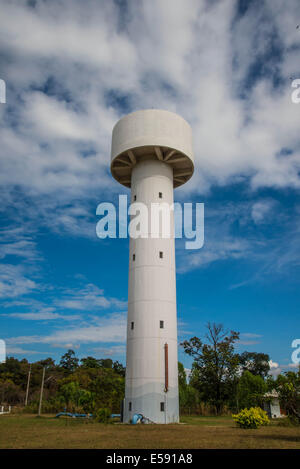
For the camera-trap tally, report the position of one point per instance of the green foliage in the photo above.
(74, 396)
(215, 367)
(181, 375)
(103, 415)
(49, 406)
(250, 390)
(256, 363)
(189, 399)
(106, 363)
(14, 371)
(288, 388)
(119, 368)
(96, 383)
(68, 361)
(90, 362)
(251, 418)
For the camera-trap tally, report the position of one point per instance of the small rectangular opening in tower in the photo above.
(129, 406)
(162, 406)
(160, 195)
(161, 255)
(161, 324)
(132, 326)
(134, 198)
(133, 257)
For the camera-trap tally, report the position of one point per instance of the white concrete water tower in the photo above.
(152, 154)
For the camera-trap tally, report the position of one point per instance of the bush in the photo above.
(250, 390)
(103, 415)
(251, 418)
(288, 421)
(50, 406)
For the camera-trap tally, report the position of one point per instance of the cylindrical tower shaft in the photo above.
(152, 304)
(152, 154)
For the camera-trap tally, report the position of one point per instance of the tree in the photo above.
(74, 395)
(69, 361)
(106, 362)
(90, 362)
(119, 368)
(288, 388)
(256, 363)
(181, 375)
(250, 390)
(214, 371)
(48, 363)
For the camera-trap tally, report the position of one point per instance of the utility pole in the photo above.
(27, 389)
(42, 389)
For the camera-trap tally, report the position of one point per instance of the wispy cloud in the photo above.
(10, 350)
(260, 210)
(14, 282)
(89, 298)
(250, 335)
(110, 351)
(249, 338)
(73, 90)
(110, 328)
(58, 141)
(43, 316)
(276, 369)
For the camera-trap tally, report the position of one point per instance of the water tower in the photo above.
(152, 154)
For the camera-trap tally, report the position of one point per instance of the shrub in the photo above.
(251, 418)
(250, 390)
(288, 421)
(103, 415)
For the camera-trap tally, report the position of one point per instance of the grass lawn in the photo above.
(29, 431)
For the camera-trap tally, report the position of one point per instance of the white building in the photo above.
(152, 153)
(271, 404)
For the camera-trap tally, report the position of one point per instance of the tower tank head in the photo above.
(148, 134)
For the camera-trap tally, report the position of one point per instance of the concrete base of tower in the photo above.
(158, 407)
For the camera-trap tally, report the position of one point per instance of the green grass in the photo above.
(207, 421)
(28, 431)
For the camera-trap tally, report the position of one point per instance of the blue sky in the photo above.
(72, 69)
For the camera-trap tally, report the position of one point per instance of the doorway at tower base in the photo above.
(157, 407)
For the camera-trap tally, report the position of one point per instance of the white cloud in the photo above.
(71, 76)
(89, 298)
(20, 351)
(110, 328)
(17, 241)
(249, 338)
(247, 342)
(110, 351)
(276, 368)
(250, 335)
(260, 210)
(13, 282)
(43, 316)
(193, 60)
(188, 373)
